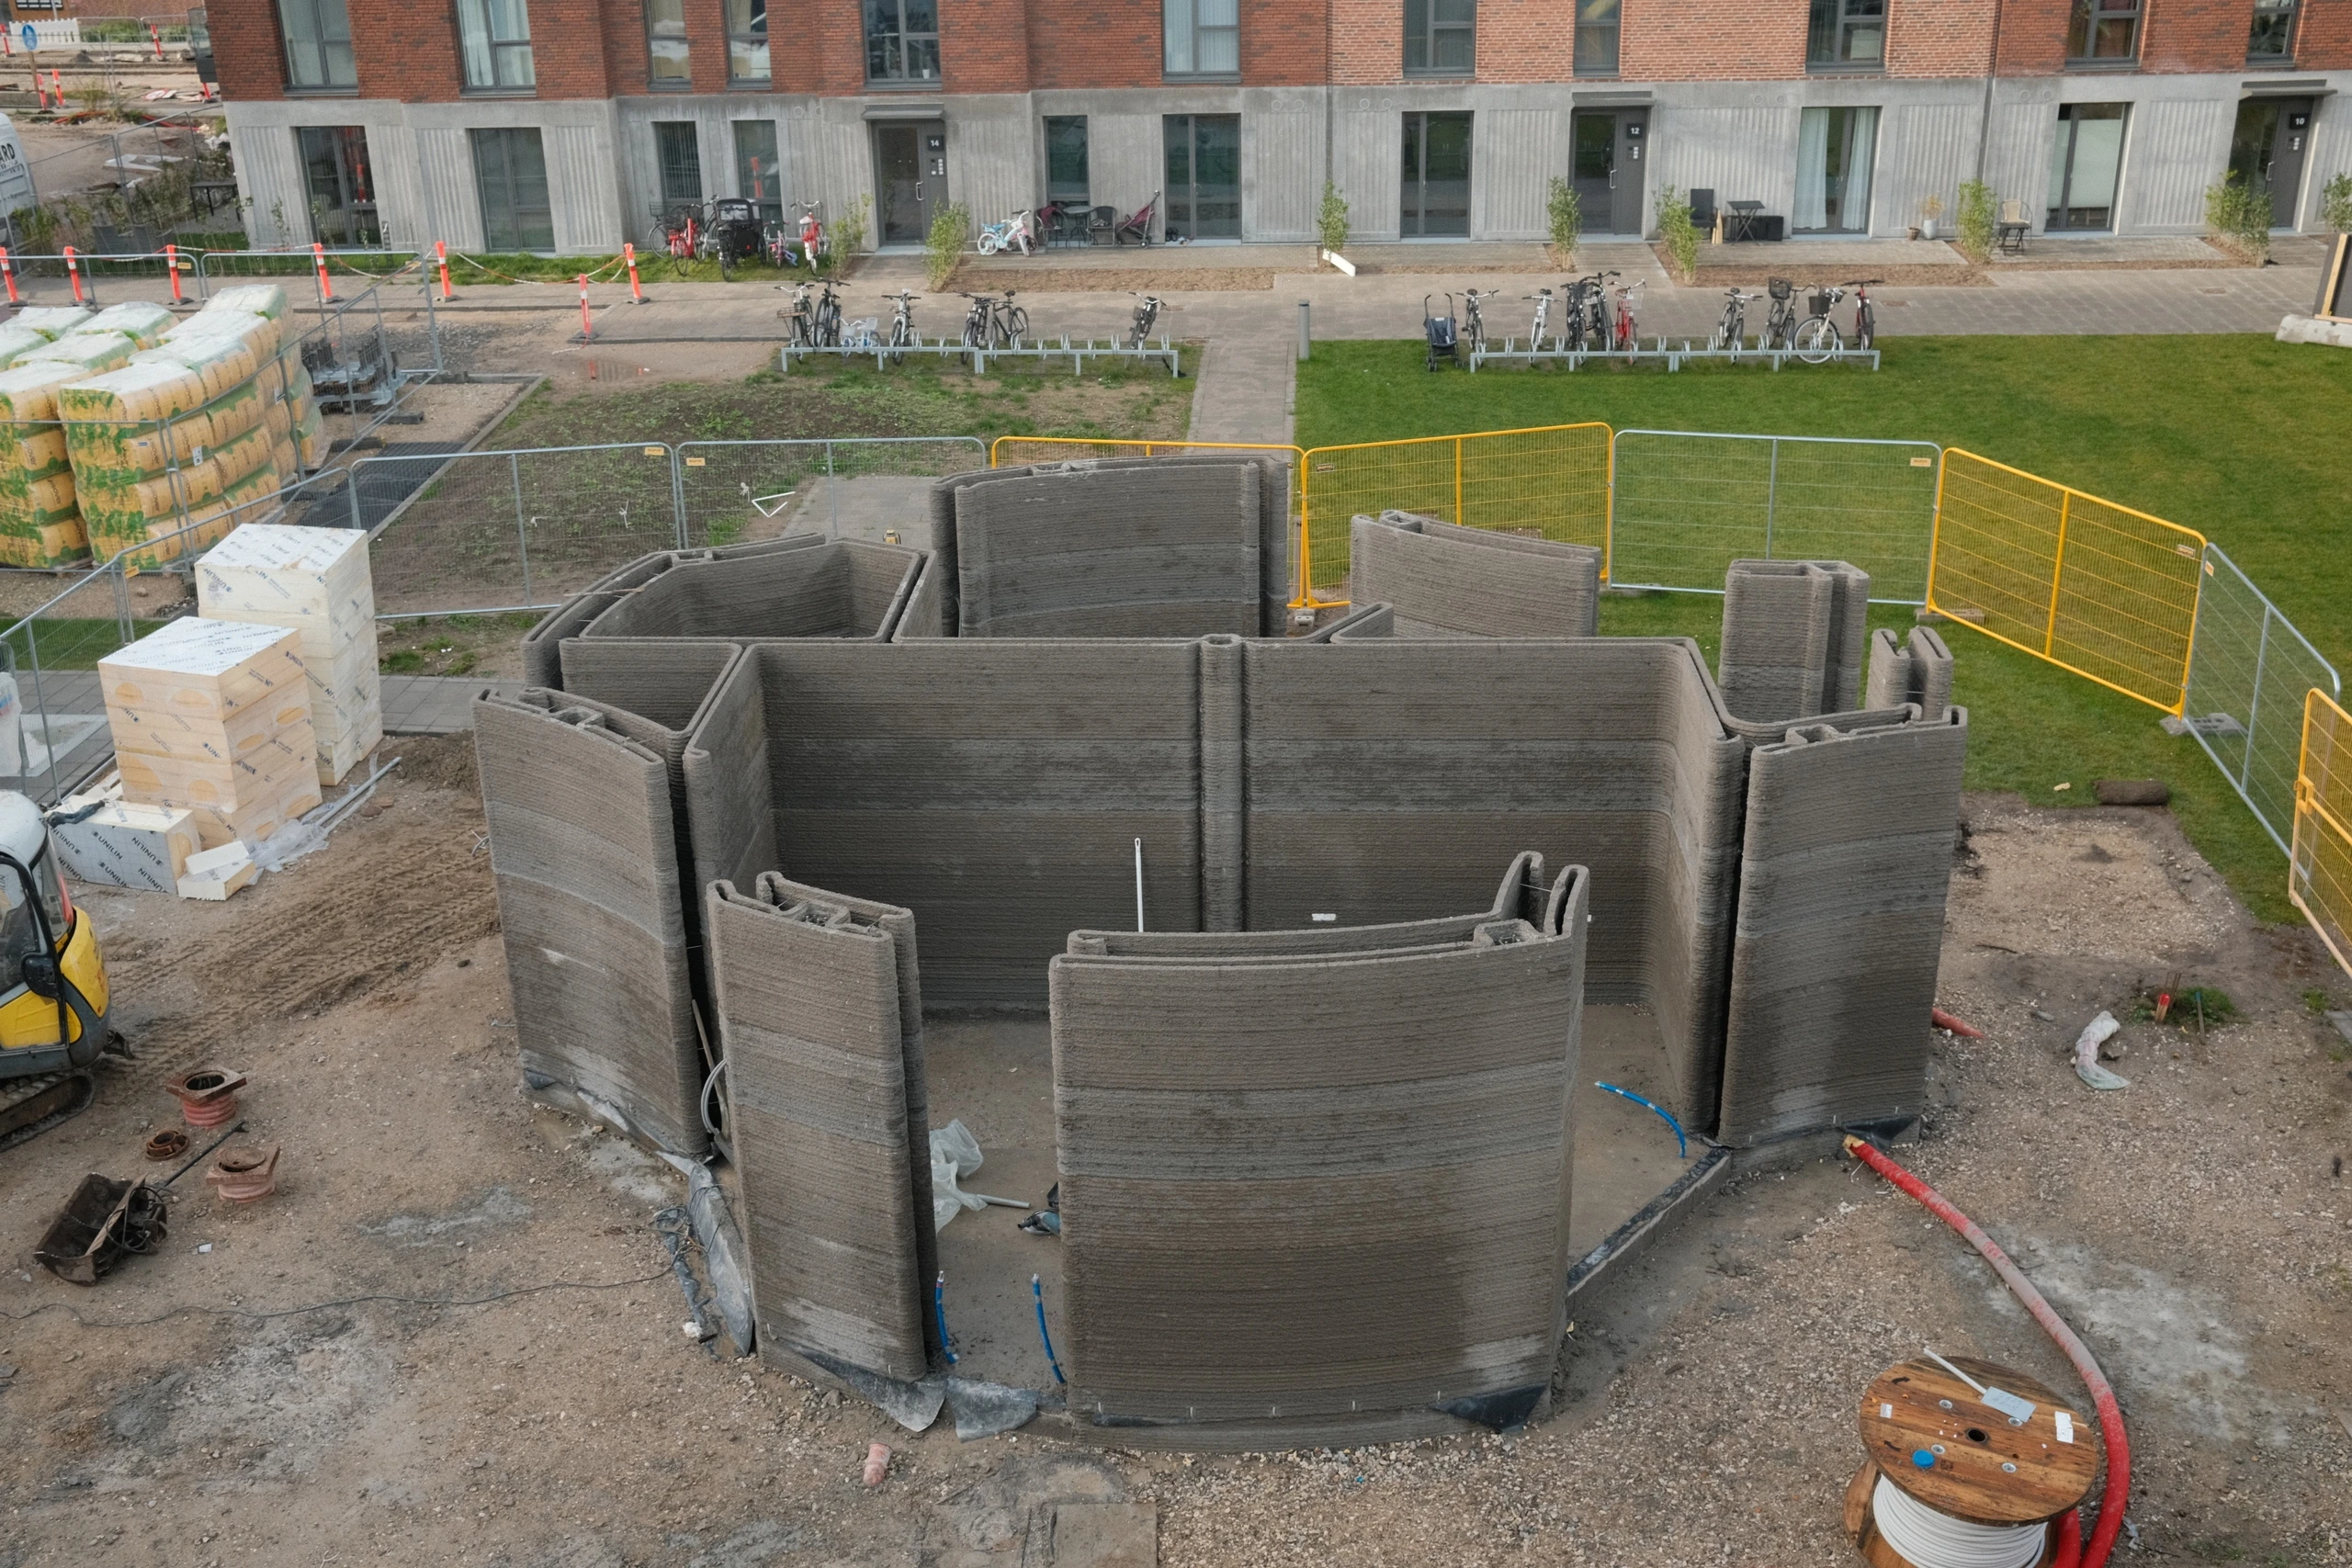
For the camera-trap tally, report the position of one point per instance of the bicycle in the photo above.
(827, 324)
(1148, 307)
(902, 326)
(1781, 324)
(802, 317)
(1819, 338)
(1541, 299)
(1591, 325)
(1473, 325)
(1625, 333)
(1732, 331)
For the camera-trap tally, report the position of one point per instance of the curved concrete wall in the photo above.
(1794, 636)
(841, 588)
(1325, 1190)
(1444, 581)
(540, 644)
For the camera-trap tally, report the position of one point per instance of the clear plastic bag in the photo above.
(954, 1154)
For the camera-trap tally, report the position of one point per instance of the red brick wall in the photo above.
(2033, 36)
(1367, 41)
(410, 53)
(1526, 40)
(984, 46)
(246, 48)
(1712, 40)
(1095, 43)
(1937, 38)
(1282, 41)
(2324, 37)
(2194, 35)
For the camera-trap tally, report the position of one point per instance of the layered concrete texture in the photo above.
(1917, 672)
(1441, 580)
(839, 588)
(1792, 639)
(1327, 1186)
(1843, 871)
(818, 1000)
(585, 850)
(541, 665)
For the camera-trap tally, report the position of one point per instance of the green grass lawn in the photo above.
(2239, 438)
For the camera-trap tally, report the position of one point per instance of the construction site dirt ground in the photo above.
(196, 1407)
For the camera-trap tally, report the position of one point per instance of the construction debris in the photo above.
(216, 874)
(103, 1220)
(2087, 1065)
(124, 845)
(244, 1175)
(169, 1144)
(208, 1096)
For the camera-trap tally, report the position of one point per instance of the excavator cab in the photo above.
(53, 994)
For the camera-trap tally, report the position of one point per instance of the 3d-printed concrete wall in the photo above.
(1793, 637)
(1918, 672)
(843, 588)
(540, 667)
(1444, 580)
(1307, 1181)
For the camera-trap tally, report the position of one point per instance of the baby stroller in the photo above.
(734, 234)
(1444, 336)
(1136, 229)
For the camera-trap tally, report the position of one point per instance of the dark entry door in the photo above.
(1203, 176)
(1436, 184)
(910, 168)
(1609, 148)
(2267, 149)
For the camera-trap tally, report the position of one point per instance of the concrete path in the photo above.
(1248, 378)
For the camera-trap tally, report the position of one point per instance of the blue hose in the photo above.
(938, 1311)
(1038, 1292)
(1681, 1143)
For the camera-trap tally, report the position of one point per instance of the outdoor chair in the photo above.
(2009, 233)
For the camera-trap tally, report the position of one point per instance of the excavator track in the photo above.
(30, 1107)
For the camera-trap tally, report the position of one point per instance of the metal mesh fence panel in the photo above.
(1685, 505)
(2105, 592)
(509, 530)
(732, 490)
(2320, 867)
(1548, 483)
(54, 652)
(2248, 673)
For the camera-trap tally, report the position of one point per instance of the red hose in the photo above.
(2071, 1551)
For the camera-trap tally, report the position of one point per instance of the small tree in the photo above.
(949, 228)
(1565, 209)
(1978, 217)
(2240, 214)
(1331, 219)
(1676, 230)
(2335, 204)
(849, 234)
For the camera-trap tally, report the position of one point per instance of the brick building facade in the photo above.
(565, 125)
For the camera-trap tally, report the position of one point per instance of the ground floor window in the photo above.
(2086, 161)
(342, 185)
(1203, 176)
(1067, 179)
(511, 169)
(758, 172)
(1436, 184)
(678, 158)
(1836, 151)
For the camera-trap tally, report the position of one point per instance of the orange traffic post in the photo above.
(73, 271)
(441, 253)
(155, 33)
(8, 272)
(636, 293)
(57, 88)
(319, 254)
(586, 330)
(172, 265)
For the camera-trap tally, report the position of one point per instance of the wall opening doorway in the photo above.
(2267, 152)
(2086, 164)
(1605, 162)
(1203, 199)
(342, 185)
(911, 175)
(1836, 152)
(1436, 184)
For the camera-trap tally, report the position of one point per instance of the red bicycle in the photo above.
(1621, 333)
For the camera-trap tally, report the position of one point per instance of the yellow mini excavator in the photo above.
(53, 983)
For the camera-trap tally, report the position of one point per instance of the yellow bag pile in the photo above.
(39, 523)
(93, 351)
(156, 448)
(16, 341)
(141, 322)
(257, 299)
(53, 320)
(283, 378)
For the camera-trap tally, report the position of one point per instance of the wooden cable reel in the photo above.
(1981, 1480)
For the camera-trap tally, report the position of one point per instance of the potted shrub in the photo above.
(1930, 209)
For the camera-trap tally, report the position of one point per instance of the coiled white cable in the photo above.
(1930, 1540)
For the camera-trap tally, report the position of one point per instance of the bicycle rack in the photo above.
(1079, 352)
(1736, 353)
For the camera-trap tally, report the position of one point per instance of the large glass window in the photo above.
(2103, 32)
(665, 39)
(1203, 176)
(678, 158)
(2273, 37)
(497, 36)
(342, 185)
(1067, 179)
(901, 41)
(1436, 176)
(1441, 36)
(1836, 149)
(512, 171)
(2086, 161)
(318, 43)
(747, 40)
(758, 174)
(1596, 37)
(1202, 36)
(1847, 35)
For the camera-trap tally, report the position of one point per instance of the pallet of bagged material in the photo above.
(124, 845)
(215, 716)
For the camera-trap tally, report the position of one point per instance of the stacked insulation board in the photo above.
(214, 717)
(312, 582)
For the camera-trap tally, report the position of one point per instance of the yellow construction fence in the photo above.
(2319, 874)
